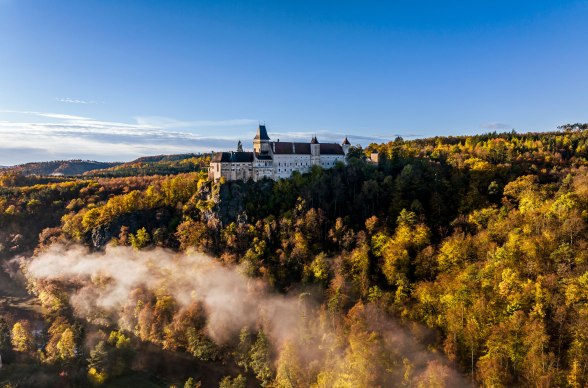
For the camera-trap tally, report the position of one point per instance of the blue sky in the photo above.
(117, 79)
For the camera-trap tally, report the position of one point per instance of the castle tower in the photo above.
(315, 152)
(346, 144)
(375, 157)
(261, 140)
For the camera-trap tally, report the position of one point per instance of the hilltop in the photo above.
(155, 165)
(59, 167)
(146, 165)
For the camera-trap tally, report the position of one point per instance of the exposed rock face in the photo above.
(232, 197)
(150, 220)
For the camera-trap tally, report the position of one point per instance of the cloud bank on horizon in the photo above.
(31, 136)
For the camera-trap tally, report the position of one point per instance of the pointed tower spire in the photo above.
(261, 133)
(261, 140)
(346, 145)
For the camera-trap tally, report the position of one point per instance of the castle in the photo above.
(275, 159)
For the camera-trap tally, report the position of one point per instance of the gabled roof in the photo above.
(232, 157)
(331, 149)
(261, 133)
(289, 148)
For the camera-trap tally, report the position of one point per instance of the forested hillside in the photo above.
(147, 165)
(155, 165)
(59, 167)
(455, 261)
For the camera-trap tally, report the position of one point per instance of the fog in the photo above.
(101, 287)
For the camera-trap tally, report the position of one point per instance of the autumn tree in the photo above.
(22, 338)
(261, 360)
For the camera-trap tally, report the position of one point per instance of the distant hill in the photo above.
(164, 158)
(155, 165)
(59, 167)
(147, 165)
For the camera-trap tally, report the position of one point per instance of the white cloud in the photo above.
(166, 122)
(45, 114)
(75, 101)
(47, 136)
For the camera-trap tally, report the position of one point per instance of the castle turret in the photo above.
(375, 157)
(315, 152)
(345, 145)
(261, 140)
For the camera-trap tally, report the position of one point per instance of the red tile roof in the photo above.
(331, 149)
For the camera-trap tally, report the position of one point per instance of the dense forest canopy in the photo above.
(454, 261)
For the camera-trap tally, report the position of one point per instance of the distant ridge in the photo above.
(146, 165)
(59, 167)
(163, 158)
(155, 165)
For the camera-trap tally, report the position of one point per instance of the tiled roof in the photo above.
(331, 149)
(233, 157)
(289, 148)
